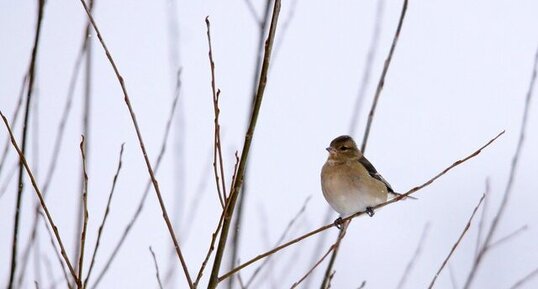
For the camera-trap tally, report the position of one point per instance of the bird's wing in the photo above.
(373, 172)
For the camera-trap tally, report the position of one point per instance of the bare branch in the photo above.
(370, 57)
(525, 279)
(508, 237)
(411, 263)
(280, 240)
(383, 75)
(85, 210)
(157, 274)
(457, 242)
(217, 148)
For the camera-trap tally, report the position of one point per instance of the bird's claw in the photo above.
(338, 223)
(370, 211)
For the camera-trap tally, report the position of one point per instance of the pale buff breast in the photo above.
(349, 188)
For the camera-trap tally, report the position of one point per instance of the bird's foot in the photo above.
(338, 223)
(370, 211)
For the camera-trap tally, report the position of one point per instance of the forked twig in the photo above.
(396, 199)
(143, 148)
(457, 242)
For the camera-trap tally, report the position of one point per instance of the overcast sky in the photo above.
(459, 76)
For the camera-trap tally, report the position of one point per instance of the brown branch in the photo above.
(105, 217)
(234, 192)
(396, 199)
(51, 237)
(41, 199)
(510, 182)
(457, 242)
(85, 209)
(525, 279)
(280, 240)
(370, 57)
(142, 147)
(142, 201)
(157, 274)
(217, 149)
(14, 117)
(18, 202)
(381, 82)
(314, 267)
(508, 237)
(482, 222)
(411, 263)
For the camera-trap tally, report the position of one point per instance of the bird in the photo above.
(349, 182)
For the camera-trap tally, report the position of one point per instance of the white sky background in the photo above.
(459, 76)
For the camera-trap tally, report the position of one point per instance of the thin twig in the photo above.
(85, 209)
(234, 192)
(142, 201)
(280, 240)
(370, 57)
(143, 148)
(313, 267)
(328, 226)
(14, 118)
(411, 263)
(482, 222)
(525, 279)
(41, 200)
(105, 217)
(457, 242)
(511, 178)
(381, 82)
(508, 237)
(217, 148)
(157, 274)
(18, 202)
(51, 237)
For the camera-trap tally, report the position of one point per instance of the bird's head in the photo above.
(343, 148)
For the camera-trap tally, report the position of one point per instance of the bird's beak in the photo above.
(331, 150)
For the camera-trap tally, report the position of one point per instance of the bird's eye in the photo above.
(344, 148)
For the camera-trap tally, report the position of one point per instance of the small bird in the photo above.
(350, 183)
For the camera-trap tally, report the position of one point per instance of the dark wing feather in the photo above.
(373, 172)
